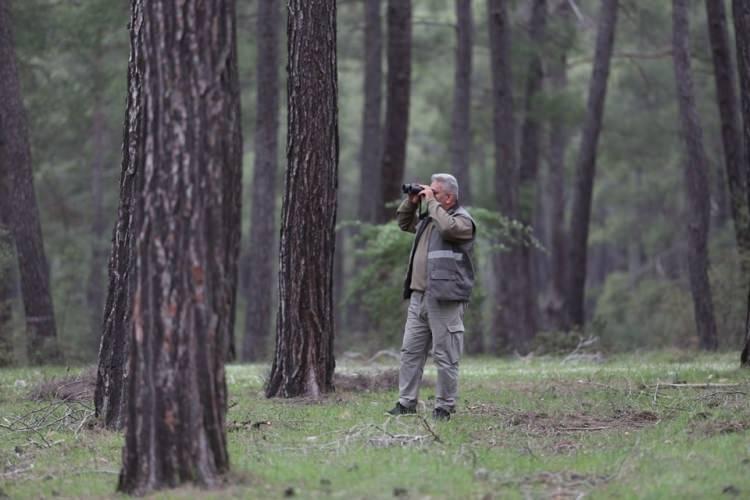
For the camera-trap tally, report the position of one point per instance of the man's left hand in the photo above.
(427, 192)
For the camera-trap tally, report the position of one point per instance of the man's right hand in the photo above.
(414, 199)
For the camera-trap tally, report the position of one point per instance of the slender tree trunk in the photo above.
(15, 165)
(741, 15)
(370, 199)
(99, 147)
(529, 164)
(559, 137)
(397, 103)
(7, 258)
(461, 117)
(303, 363)
(187, 107)
(586, 167)
(696, 180)
(509, 309)
(731, 135)
(263, 201)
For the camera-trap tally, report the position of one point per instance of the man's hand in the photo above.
(427, 193)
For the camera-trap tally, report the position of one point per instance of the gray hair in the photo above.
(450, 183)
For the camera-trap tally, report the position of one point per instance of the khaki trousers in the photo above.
(436, 323)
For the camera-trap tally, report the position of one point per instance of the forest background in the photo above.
(72, 61)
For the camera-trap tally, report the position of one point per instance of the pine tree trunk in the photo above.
(397, 104)
(741, 16)
(554, 308)
(529, 164)
(731, 136)
(185, 229)
(508, 334)
(7, 258)
(99, 147)
(370, 200)
(461, 117)
(15, 166)
(258, 318)
(303, 363)
(586, 166)
(696, 180)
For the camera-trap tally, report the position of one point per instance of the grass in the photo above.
(535, 428)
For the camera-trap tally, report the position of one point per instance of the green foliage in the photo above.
(383, 258)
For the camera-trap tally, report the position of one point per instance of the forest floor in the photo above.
(651, 425)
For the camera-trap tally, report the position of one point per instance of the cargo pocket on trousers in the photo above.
(455, 341)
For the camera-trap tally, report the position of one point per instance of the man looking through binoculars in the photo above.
(438, 284)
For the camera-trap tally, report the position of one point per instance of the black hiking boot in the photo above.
(441, 414)
(400, 409)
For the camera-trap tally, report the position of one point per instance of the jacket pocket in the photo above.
(443, 274)
(457, 327)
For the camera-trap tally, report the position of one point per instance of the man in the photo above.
(438, 285)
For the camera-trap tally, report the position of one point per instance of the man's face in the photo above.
(445, 199)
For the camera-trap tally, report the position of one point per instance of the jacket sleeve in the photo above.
(406, 215)
(450, 227)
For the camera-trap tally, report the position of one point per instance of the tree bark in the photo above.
(741, 16)
(7, 258)
(303, 363)
(510, 312)
(99, 147)
(185, 230)
(263, 201)
(554, 308)
(586, 165)
(461, 117)
(529, 163)
(370, 199)
(15, 165)
(696, 180)
(731, 136)
(397, 103)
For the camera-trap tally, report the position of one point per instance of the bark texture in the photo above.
(7, 259)
(461, 117)
(173, 267)
(729, 114)
(371, 201)
(696, 179)
(15, 167)
(586, 165)
(303, 363)
(554, 308)
(397, 103)
(262, 239)
(510, 313)
(741, 16)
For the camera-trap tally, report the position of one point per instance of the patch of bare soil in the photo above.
(69, 388)
(559, 485)
(544, 424)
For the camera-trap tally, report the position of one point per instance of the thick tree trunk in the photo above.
(731, 136)
(15, 165)
(586, 167)
(185, 229)
(370, 200)
(397, 104)
(510, 312)
(696, 180)
(263, 201)
(529, 164)
(741, 15)
(461, 117)
(554, 308)
(303, 363)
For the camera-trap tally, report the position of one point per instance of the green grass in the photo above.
(537, 428)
